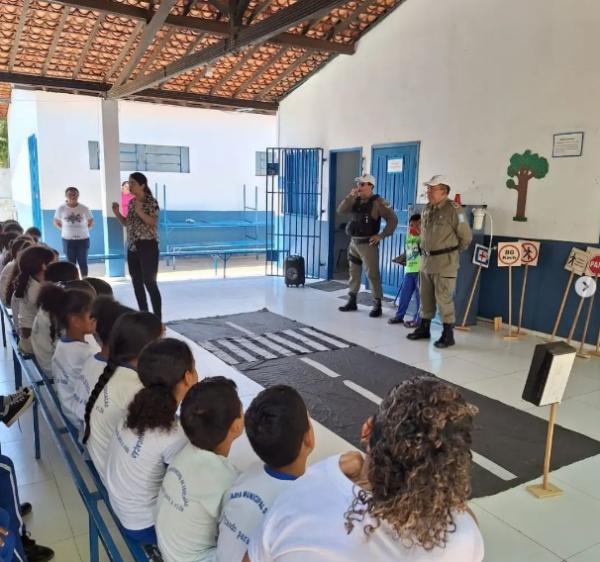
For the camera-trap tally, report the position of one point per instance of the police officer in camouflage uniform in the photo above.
(445, 232)
(367, 211)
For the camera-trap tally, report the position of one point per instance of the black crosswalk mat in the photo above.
(343, 383)
(328, 286)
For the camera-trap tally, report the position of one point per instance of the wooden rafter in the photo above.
(235, 68)
(345, 23)
(253, 35)
(260, 8)
(125, 50)
(267, 64)
(148, 35)
(206, 25)
(21, 25)
(90, 40)
(298, 62)
(55, 39)
(199, 75)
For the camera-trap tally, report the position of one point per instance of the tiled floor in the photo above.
(516, 526)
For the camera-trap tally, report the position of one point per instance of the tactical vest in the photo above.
(363, 224)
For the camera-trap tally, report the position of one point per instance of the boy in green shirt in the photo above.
(411, 260)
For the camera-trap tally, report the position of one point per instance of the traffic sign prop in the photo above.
(509, 254)
(586, 287)
(593, 264)
(530, 255)
(481, 256)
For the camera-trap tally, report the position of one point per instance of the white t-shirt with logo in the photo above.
(108, 412)
(41, 341)
(189, 505)
(67, 362)
(90, 373)
(306, 523)
(245, 507)
(135, 471)
(74, 221)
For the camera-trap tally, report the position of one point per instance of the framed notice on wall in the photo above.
(567, 145)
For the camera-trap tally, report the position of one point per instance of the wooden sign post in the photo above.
(593, 268)
(530, 255)
(509, 255)
(481, 258)
(576, 264)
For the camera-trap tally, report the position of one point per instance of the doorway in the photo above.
(344, 165)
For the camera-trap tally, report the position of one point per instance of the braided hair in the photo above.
(130, 334)
(161, 366)
(31, 262)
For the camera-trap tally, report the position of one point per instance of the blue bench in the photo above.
(74, 453)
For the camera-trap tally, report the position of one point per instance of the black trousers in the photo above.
(143, 268)
(77, 253)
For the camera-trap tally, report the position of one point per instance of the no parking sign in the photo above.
(593, 265)
(509, 254)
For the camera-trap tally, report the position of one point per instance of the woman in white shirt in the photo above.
(149, 437)
(406, 501)
(74, 221)
(118, 383)
(32, 267)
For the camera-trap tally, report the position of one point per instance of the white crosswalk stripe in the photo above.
(236, 349)
(337, 343)
(255, 348)
(219, 353)
(306, 340)
(287, 342)
(276, 347)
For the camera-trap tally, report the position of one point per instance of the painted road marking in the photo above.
(319, 367)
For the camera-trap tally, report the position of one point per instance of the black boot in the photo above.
(350, 305)
(447, 338)
(376, 311)
(422, 332)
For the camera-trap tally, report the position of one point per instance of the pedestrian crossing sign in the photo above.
(481, 256)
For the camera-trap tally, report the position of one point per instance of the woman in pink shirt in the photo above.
(126, 197)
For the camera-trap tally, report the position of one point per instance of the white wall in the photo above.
(22, 123)
(475, 81)
(222, 149)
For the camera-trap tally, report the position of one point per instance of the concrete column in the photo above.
(110, 175)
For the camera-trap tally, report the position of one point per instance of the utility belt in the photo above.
(439, 252)
(361, 239)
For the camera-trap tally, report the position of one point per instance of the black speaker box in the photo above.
(294, 271)
(549, 373)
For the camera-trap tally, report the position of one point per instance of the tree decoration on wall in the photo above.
(524, 167)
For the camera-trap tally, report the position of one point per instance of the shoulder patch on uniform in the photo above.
(461, 217)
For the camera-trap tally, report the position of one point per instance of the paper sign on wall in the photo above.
(577, 261)
(530, 252)
(593, 265)
(395, 165)
(509, 254)
(481, 256)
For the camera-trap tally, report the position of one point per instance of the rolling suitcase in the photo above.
(294, 271)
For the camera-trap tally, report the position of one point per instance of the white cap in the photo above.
(437, 180)
(365, 178)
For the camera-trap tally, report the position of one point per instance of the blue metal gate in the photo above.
(395, 168)
(34, 172)
(294, 208)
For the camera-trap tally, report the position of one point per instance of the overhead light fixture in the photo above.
(209, 71)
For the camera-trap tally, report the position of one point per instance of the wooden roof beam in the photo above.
(256, 34)
(20, 26)
(207, 26)
(88, 44)
(55, 38)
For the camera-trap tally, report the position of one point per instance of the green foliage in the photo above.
(3, 144)
(528, 161)
(511, 184)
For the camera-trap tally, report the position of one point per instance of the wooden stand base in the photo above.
(463, 328)
(521, 334)
(583, 355)
(497, 323)
(551, 491)
(510, 337)
(596, 353)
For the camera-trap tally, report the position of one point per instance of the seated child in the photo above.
(190, 500)
(44, 331)
(9, 272)
(73, 349)
(101, 287)
(279, 430)
(105, 311)
(118, 383)
(149, 437)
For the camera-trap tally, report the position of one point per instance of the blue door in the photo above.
(395, 169)
(34, 172)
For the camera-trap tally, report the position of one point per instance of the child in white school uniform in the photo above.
(279, 430)
(191, 497)
(32, 266)
(105, 311)
(74, 346)
(405, 501)
(150, 436)
(118, 383)
(45, 331)
(10, 269)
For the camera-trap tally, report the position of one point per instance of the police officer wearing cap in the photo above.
(367, 210)
(445, 232)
